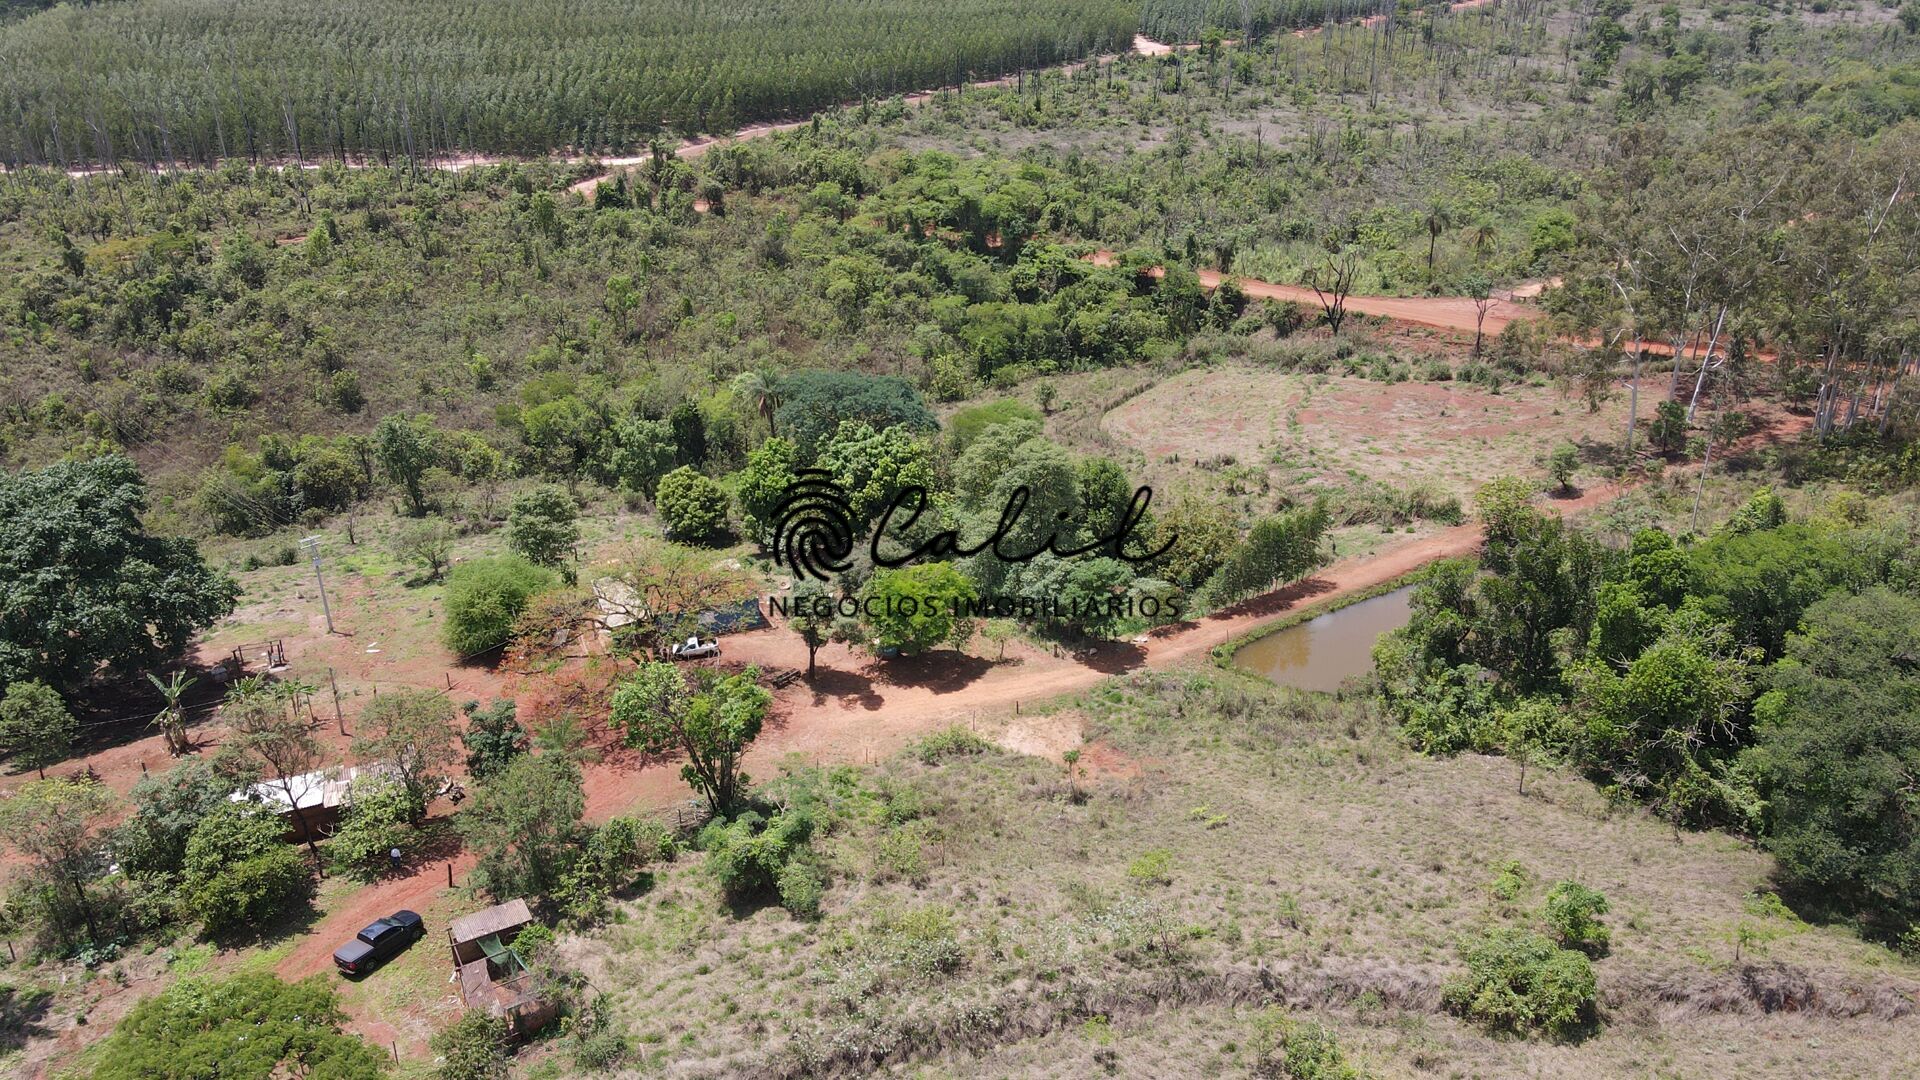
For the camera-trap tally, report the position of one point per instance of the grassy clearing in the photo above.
(1273, 849)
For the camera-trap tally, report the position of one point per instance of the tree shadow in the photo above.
(116, 712)
(1111, 657)
(295, 921)
(1277, 601)
(849, 688)
(942, 671)
(22, 1015)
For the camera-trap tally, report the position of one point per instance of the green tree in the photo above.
(412, 732)
(1278, 549)
(82, 584)
(428, 542)
(1668, 431)
(1657, 724)
(813, 403)
(762, 388)
(693, 507)
(379, 817)
(689, 435)
(914, 608)
(57, 824)
(522, 824)
(640, 452)
(282, 743)
(246, 1027)
(1202, 532)
(873, 466)
(238, 870)
(543, 526)
(167, 807)
(171, 719)
(713, 721)
(1562, 464)
(763, 485)
(485, 598)
(35, 726)
(1837, 747)
(406, 447)
(813, 616)
(493, 737)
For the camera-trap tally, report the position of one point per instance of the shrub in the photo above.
(1288, 1049)
(1572, 913)
(484, 599)
(1154, 867)
(749, 854)
(1511, 881)
(1517, 981)
(954, 742)
(693, 506)
(801, 885)
(474, 1048)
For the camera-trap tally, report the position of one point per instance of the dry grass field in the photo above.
(1307, 430)
(1239, 854)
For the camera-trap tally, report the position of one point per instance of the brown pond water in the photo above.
(1322, 653)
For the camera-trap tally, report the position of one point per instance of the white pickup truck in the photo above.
(694, 649)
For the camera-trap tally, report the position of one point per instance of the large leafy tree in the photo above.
(543, 525)
(167, 807)
(247, 1027)
(406, 448)
(412, 732)
(763, 486)
(916, 607)
(872, 466)
(82, 582)
(57, 824)
(712, 720)
(813, 403)
(1839, 747)
(523, 823)
(35, 726)
(238, 870)
(693, 507)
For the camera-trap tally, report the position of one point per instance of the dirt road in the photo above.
(1456, 313)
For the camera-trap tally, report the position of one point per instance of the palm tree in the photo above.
(172, 720)
(763, 388)
(1484, 234)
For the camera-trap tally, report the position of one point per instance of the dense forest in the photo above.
(194, 81)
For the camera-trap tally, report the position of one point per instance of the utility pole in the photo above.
(312, 546)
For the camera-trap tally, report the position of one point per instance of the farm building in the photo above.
(494, 977)
(321, 795)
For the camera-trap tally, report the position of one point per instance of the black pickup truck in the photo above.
(378, 942)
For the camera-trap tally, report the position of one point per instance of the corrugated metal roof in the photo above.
(494, 920)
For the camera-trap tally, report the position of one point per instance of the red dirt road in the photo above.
(1455, 313)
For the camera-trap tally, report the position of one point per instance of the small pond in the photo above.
(1322, 653)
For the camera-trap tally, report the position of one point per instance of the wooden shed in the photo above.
(491, 974)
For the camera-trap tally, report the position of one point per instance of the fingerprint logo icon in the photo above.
(813, 526)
